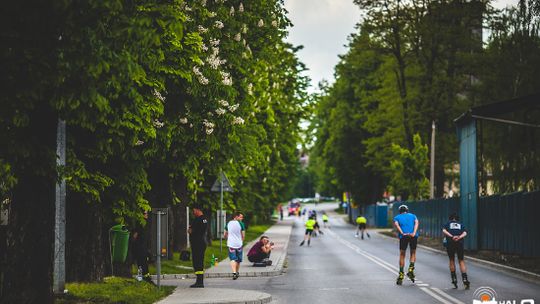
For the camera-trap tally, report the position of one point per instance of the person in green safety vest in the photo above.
(325, 220)
(310, 223)
(361, 222)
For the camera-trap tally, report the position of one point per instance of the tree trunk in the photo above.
(27, 275)
(86, 248)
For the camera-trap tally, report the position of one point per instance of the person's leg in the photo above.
(462, 266)
(309, 238)
(198, 265)
(357, 230)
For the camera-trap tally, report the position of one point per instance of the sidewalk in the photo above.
(278, 233)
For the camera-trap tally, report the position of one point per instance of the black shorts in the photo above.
(408, 241)
(362, 226)
(453, 248)
(309, 231)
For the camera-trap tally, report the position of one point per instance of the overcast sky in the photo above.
(322, 27)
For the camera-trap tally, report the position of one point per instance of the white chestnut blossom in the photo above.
(209, 131)
(208, 124)
(237, 37)
(233, 108)
(158, 124)
(214, 42)
(244, 28)
(244, 42)
(204, 47)
(250, 89)
(157, 94)
(231, 12)
(274, 23)
(220, 111)
(212, 14)
(203, 2)
(241, 8)
(218, 24)
(183, 120)
(223, 103)
(260, 23)
(226, 78)
(202, 29)
(238, 121)
(139, 142)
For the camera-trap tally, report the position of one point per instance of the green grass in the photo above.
(114, 290)
(175, 266)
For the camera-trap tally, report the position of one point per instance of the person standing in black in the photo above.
(197, 239)
(140, 248)
(454, 232)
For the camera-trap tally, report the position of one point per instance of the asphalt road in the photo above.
(339, 268)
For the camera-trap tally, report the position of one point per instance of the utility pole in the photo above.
(432, 167)
(59, 275)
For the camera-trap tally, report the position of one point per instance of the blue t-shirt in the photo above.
(406, 222)
(455, 228)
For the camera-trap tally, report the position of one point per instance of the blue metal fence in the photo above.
(506, 223)
(377, 215)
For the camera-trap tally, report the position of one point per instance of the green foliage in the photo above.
(408, 169)
(114, 290)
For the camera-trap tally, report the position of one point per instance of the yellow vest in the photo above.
(309, 224)
(361, 220)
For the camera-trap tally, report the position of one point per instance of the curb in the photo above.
(501, 268)
(212, 296)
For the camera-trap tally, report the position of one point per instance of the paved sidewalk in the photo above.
(278, 233)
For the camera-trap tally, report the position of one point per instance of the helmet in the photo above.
(403, 208)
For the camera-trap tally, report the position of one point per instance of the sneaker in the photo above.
(356, 235)
(269, 263)
(235, 275)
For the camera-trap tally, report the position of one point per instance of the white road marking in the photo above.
(449, 297)
(432, 294)
(394, 270)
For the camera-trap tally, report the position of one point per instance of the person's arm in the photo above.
(243, 234)
(416, 223)
(445, 232)
(461, 236)
(396, 223)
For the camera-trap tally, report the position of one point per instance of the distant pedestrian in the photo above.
(259, 254)
(325, 220)
(140, 249)
(310, 223)
(361, 223)
(235, 234)
(407, 226)
(280, 208)
(454, 233)
(197, 239)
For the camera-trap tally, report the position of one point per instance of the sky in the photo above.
(322, 27)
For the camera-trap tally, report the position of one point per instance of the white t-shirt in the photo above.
(234, 238)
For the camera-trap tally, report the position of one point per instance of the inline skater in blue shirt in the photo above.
(454, 231)
(407, 226)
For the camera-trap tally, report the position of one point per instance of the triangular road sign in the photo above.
(216, 187)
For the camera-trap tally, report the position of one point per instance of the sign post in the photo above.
(220, 185)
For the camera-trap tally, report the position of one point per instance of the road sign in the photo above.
(222, 178)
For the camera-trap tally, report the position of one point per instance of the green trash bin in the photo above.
(119, 236)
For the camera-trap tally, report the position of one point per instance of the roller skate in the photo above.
(466, 281)
(400, 278)
(410, 273)
(454, 280)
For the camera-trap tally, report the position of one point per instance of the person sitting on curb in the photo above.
(259, 254)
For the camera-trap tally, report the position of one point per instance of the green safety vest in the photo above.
(325, 217)
(310, 224)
